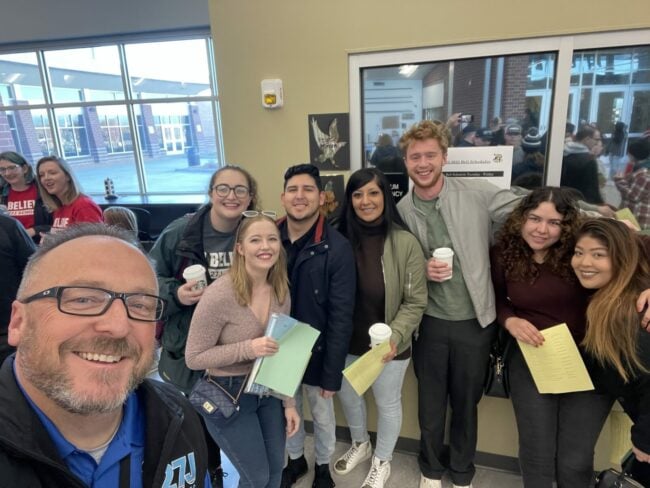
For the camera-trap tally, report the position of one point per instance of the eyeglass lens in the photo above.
(223, 190)
(91, 301)
(7, 169)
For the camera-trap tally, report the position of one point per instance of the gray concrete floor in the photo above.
(404, 473)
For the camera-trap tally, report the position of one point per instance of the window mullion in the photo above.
(133, 126)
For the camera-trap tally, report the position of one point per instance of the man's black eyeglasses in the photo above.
(91, 302)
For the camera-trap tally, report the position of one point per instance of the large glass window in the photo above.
(614, 88)
(494, 95)
(141, 113)
(597, 79)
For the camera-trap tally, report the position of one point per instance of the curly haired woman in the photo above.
(535, 289)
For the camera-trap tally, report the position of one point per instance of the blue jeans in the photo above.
(557, 433)
(322, 412)
(254, 439)
(387, 390)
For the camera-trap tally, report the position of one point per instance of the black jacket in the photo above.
(580, 171)
(633, 396)
(323, 287)
(15, 249)
(178, 246)
(29, 458)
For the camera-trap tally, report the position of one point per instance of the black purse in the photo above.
(210, 398)
(612, 478)
(496, 379)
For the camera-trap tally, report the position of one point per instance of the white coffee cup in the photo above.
(446, 255)
(196, 272)
(379, 333)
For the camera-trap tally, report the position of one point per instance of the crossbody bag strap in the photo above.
(235, 400)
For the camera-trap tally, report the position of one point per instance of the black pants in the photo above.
(450, 360)
(557, 433)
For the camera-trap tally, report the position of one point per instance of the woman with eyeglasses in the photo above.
(391, 289)
(206, 237)
(62, 195)
(227, 335)
(611, 259)
(19, 193)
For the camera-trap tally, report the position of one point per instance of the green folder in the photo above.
(283, 371)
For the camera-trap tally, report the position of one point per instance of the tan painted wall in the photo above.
(306, 43)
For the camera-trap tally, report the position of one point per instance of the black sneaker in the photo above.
(322, 477)
(296, 469)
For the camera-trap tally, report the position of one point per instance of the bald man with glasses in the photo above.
(75, 409)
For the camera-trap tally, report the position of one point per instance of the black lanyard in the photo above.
(125, 472)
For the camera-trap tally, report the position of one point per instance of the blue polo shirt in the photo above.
(129, 440)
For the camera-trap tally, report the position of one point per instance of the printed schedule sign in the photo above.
(492, 163)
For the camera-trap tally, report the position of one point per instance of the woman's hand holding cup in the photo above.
(188, 294)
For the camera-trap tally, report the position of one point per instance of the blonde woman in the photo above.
(226, 336)
(62, 195)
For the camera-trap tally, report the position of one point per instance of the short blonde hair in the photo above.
(423, 130)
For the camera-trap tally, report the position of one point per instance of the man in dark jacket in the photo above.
(15, 249)
(579, 165)
(322, 277)
(74, 411)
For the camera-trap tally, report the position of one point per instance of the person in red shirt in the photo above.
(19, 193)
(61, 194)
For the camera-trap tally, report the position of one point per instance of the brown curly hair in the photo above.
(516, 255)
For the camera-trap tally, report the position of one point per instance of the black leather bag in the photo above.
(210, 398)
(496, 379)
(612, 478)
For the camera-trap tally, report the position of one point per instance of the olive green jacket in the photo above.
(405, 282)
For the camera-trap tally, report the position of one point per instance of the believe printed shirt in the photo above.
(82, 209)
(21, 204)
(218, 248)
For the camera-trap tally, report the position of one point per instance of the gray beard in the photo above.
(57, 385)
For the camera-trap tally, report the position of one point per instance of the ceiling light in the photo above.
(407, 69)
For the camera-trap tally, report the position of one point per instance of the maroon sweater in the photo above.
(549, 301)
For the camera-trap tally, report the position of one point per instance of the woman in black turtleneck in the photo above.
(392, 289)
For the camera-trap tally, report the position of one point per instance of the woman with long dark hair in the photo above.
(20, 194)
(610, 259)
(535, 289)
(391, 289)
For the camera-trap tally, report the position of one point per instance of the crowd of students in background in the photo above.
(523, 262)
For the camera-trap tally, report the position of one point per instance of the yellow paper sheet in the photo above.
(620, 437)
(364, 371)
(556, 366)
(626, 214)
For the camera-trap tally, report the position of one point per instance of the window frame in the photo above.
(129, 101)
(564, 46)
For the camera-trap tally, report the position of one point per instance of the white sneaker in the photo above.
(378, 474)
(429, 483)
(357, 454)
(462, 486)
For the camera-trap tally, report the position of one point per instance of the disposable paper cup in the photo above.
(379, 333)
(196, 272)
(446, 255)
